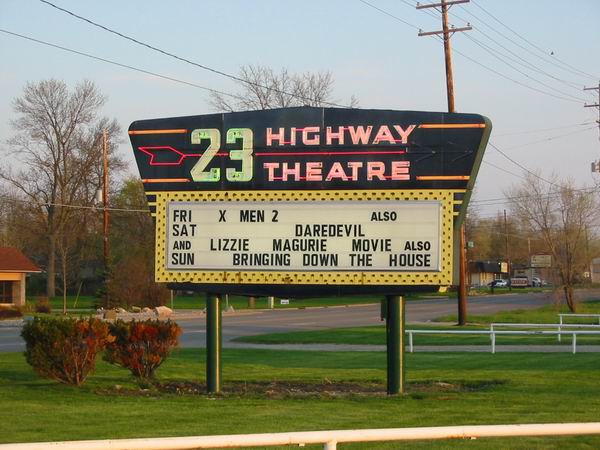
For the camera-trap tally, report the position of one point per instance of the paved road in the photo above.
(283, 320)
(246, 323)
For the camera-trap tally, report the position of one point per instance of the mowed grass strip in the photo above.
(500, 389)
(375, 335)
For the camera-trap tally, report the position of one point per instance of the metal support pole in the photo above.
(574, 343)
(395, 329)
(493, 343)
(214, 362)
(560, 325)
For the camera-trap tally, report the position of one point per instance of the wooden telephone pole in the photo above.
(447, 32)
(105, 215)
(594, 105)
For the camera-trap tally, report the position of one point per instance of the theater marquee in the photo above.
(308, 201)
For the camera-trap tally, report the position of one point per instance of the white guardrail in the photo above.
(566, 315)
(560, 316)
(494, 333)
(329, 439)
(559, 326)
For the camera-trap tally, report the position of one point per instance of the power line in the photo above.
(505, 200)
(540, 130)
(552, 138)
(126, 66)
(526, 62)
(521, 165)
(188, 61)
(496, 54)
(481, 64)
(389, 14)
(503, 170)
(65, 205)
(542, 51)
(513, 80)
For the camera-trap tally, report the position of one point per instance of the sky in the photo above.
(524, 65)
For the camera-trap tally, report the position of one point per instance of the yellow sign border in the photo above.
(444, 277)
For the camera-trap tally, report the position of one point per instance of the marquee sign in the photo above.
(308, 201)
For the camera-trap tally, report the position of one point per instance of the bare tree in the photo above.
(263, 88)
(561, 215)
(58, 146)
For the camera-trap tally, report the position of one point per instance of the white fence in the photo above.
(329, 439)
(560, 316)
(567, 315)
(494, 333)
(559, 326)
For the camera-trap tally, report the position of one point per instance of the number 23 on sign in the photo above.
(199, 172)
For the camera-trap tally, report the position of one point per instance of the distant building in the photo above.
(595, 270)
(484, 272)
(14, 267)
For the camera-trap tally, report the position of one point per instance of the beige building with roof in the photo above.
(14, 267)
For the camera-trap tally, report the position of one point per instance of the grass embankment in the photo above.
(444, 389)
(545, 314)
(375, 335)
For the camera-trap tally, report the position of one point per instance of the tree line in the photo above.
(52, 168)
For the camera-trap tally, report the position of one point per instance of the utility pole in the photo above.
(506, 249)
(595, 105)
(447, 32)
(105, 215)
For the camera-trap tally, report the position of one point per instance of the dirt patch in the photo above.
(298, 389)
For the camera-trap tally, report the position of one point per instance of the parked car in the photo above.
(538, 282)
(519, 281)
(498, 282)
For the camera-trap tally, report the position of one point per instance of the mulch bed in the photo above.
(298, 389)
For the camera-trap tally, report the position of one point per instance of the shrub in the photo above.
(64, 349)
(10, 313)
(43, 305)
(141, 346)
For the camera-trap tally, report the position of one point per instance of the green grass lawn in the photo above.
(484, 389)
(73, 302)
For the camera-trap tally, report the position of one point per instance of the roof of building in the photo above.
(12, 260)
(486, 266)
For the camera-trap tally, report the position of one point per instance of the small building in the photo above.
(595, 270)
(14, 267)
(484, 272)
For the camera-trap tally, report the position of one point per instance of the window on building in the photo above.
(5, 291)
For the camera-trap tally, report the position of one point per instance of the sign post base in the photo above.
(213, 343)
(395, 327)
